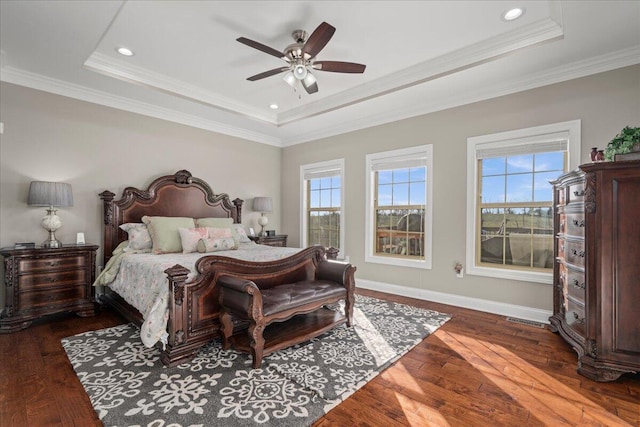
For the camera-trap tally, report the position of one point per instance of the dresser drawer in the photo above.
(575, 317)
(572, 224)
(38, 299)
(36, 265)
(574, 252)
(575, 193)
(29, 282)
(561, 196)
(572, 282)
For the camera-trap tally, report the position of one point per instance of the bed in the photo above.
(192, 303)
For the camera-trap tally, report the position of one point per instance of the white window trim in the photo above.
(426, 262)
(503, 139)
(326, 165)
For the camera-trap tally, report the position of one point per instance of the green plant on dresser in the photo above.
(626, 141)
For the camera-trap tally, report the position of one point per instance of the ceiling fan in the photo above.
(300, 58)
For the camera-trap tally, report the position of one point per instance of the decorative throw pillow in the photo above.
(164, 232)
(139, 238)
(219, 233)
(213, 245)
(242, 235)
(217, 223)
(189, 238)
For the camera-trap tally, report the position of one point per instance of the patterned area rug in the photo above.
(128, 385)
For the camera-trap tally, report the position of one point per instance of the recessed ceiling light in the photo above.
(124, 51)
(513, 14)
(274, 106)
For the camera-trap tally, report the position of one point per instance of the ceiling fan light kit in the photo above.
(300, 58)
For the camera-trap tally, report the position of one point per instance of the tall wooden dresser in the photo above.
(596, 304)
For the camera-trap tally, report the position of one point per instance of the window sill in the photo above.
(499, 273)
(411, 263)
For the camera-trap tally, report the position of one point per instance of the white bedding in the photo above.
(142, 282)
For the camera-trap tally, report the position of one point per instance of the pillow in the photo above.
(139, 238)
(164, 233)
(214, 222)
(218, 223)
(189, 238)
(242, 235)
(213, 245)
(219, 233)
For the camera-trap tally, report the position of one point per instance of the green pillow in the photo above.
(218, 223)
(165, 234)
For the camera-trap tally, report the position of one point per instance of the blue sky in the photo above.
(522, 178)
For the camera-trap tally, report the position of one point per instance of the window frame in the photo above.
(504, 140)
(421, 151)
(320, 167)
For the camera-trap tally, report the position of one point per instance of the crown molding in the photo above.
(603, 63)
(578, 69)
(121, 70)
(458, 60)
(59, 87)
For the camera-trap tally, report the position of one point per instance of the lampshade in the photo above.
(43, 193)
(262, 204)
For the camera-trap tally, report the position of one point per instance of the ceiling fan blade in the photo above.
(318, 40)
(310, 84)
(261, 47)
(339, 67)
(267, 74)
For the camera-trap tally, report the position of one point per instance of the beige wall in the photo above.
(50, 137)
(53, 138)
(604, 103)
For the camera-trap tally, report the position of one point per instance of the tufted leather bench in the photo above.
(292, 302)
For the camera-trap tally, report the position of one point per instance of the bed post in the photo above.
(175, 351)
(110, 231)
(238, 204)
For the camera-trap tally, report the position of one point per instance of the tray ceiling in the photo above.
(421, 56)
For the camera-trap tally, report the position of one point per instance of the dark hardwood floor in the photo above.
(476, 370)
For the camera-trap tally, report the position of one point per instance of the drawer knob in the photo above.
(577, 284)
(578, 193)
(578, 223)
(54, 263)
(578, 319)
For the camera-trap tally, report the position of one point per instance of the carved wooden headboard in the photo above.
(179, 194)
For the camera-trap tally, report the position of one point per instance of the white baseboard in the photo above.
(519, 311)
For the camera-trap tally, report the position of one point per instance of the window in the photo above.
(399, 208)
(322, 199)
(510, 199)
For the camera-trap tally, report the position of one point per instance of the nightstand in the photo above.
(279, 240)
(42, 281)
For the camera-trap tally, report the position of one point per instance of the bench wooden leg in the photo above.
(348, 308)
(257, 343)
(226, 327)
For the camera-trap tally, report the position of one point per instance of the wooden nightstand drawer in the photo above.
(30, 282)
(38, 299)
(279, 240)
(35, 265)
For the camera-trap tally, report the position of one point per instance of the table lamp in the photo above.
(262, 205)
(53, 195)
